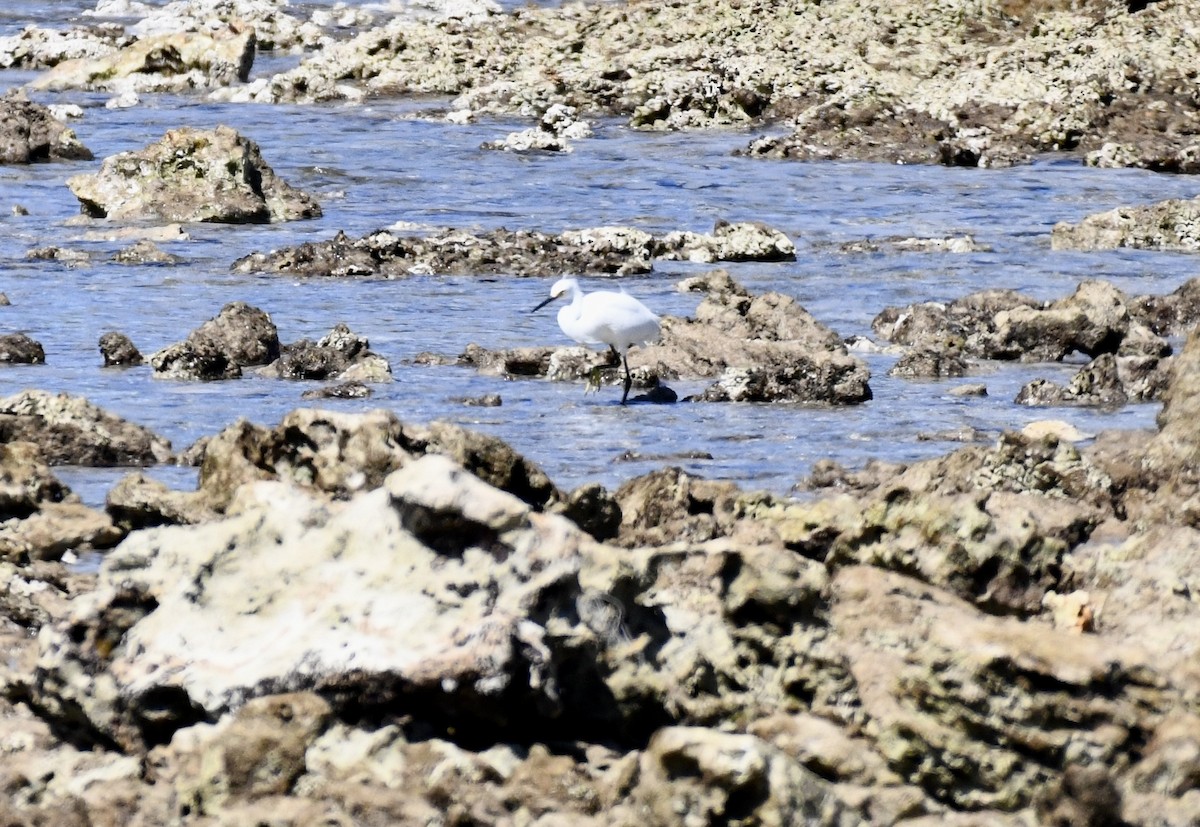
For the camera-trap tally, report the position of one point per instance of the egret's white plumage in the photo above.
(604, 317)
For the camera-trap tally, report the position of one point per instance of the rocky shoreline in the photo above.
(355, 619)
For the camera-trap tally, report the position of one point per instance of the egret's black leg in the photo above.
(628, 379)
(614, 358)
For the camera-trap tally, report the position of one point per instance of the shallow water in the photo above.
(374, 165)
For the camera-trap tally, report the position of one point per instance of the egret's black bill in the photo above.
(543, 304)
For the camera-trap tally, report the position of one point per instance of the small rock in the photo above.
(118, 350)
(19, 349)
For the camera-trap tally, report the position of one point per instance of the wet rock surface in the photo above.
(20, 349)
(615, 250)
(1004, 325)
(212, 175)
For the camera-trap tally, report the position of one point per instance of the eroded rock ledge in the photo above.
(616, 250)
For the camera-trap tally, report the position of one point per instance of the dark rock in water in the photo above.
(4, 302)
(118, 350)
(239, 336)
(196, 359)
(658, 394)
(29, 133)
(245, 333)
(19, 349)
(346, 390)
(192, 175)
(340, 354)
(66, 255)
(72, 431)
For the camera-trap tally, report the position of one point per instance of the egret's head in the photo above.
(562, 287)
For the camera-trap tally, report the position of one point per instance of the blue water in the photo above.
(371, 166)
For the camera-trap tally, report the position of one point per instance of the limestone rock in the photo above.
(463, 657)
(1167, 225)
(30, 133)
(716, 777)
(1176, 447)
(612, 250)
(71, 430)
(192, 175)
(339, 355)
(929, 668)
(1001, 324)
(172, 62)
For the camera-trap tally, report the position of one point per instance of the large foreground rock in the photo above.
(237, 337)
(192, 175)
(720, 675)
(30, 133)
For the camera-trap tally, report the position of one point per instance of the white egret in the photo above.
(604, 317)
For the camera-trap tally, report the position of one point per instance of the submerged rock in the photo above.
(72, 431)
(1107, 381)
(192, 175)
(29, 132)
